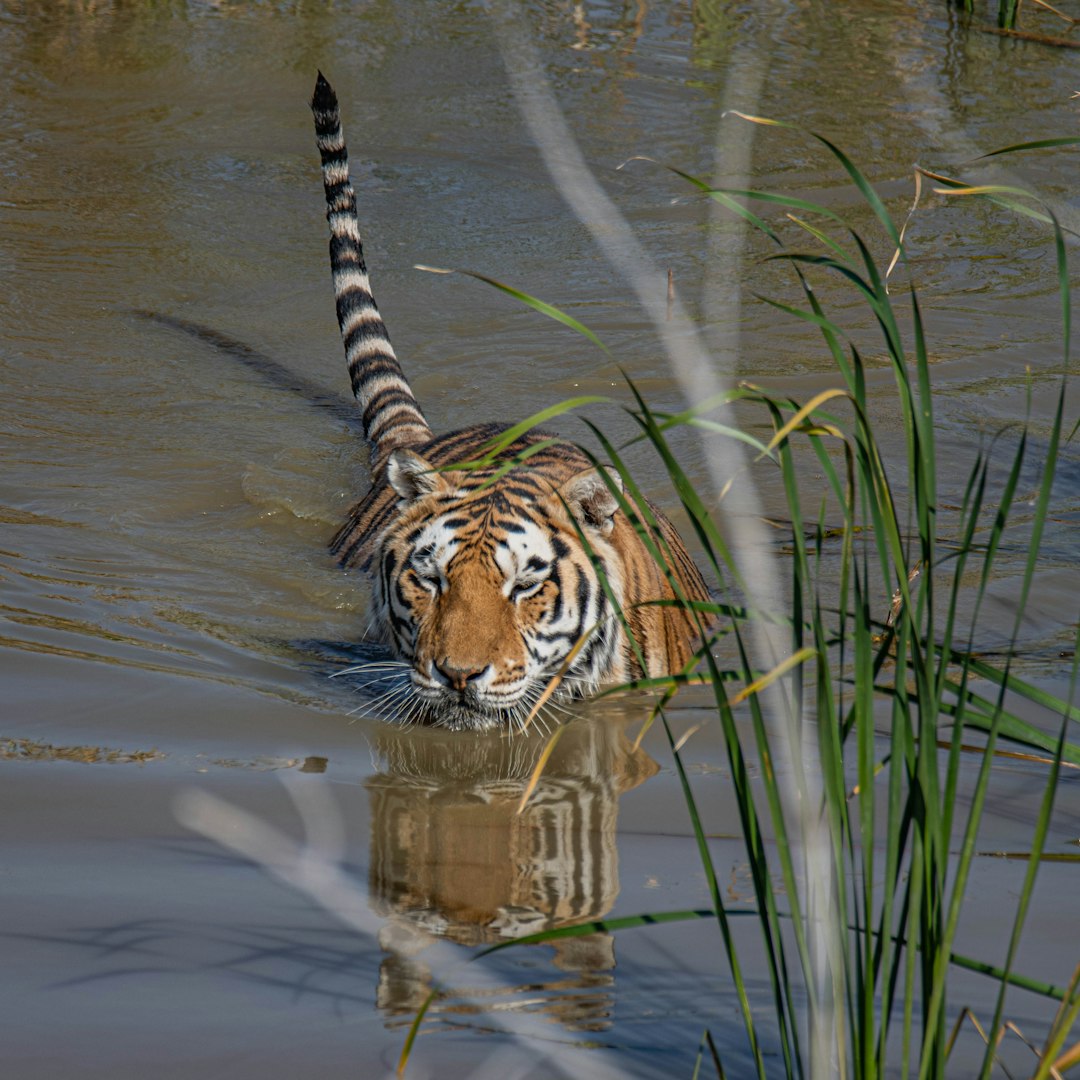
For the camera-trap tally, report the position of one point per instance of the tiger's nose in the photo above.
(459, 677)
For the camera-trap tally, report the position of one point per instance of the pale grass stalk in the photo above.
(313, 867)
(703, 373)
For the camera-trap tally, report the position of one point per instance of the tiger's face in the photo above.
(485, 590)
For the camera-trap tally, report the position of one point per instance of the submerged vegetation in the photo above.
(1007, 16)
(861, 833)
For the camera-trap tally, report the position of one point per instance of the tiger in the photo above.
(491, 582)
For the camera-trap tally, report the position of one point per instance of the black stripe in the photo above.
(399, 596)
(339, 193)
(471, 438)
(326, 136)
(584, 594)
(353, 299)
(367, 368)
(389, 565)
(351, 554)
(368, 331)
(385, 399)
(346, 251)
(393, 419)
(403, 627)
(518, 490)
(557, 607)
(374, 523)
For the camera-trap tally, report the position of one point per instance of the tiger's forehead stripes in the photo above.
(511, 550)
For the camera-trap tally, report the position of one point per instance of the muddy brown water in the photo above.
(168, 613)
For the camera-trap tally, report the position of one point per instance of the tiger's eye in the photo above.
(524, 589)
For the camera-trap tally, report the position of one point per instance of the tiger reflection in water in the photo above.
(451, 858)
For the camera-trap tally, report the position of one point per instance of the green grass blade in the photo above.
(860, 181)
(1034, 144)
(492, 450)
(536, 304)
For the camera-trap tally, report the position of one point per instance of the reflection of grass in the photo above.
(35, 750)
(31, 750)
(858, 696)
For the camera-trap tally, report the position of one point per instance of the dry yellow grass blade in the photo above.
(763, 120)
(903, 228)
(1070, 1058)
(770, 677)
(538, 771)
(1059, 1030)
(550, 689)
(1054, 11)
(686, 737)
(814, 403)
(965, 1014)
(1019, 755)
(1010, 1026)
(557, 678)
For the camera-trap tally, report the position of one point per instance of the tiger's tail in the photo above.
(390, 413)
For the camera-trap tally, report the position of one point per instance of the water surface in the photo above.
(168, 612)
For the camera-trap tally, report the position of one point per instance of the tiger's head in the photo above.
(484, 588)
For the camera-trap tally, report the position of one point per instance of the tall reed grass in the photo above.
(1007, 12)
(881, 684)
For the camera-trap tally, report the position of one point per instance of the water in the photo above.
(168, 612)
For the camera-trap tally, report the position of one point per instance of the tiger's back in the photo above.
(490, 582)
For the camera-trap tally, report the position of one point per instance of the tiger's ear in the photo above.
(590, 499)
(412, 476)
